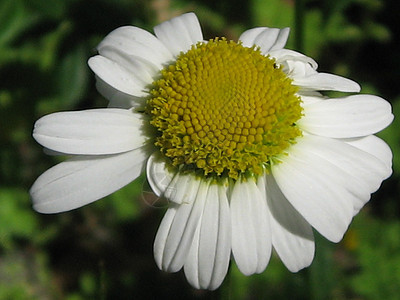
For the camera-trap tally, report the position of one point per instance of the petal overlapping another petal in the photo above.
(117, 98)
(136, 44)
(326, 180)
(314, 187)
(173, 185)
(287, 58)
(377, 148)
(303, 71)
(176, 232)
(128, 60)
(307, 78)
(158, 175)
(209, 254)
(180, 33)
(268, 39)
(292, 236)
(117, 76)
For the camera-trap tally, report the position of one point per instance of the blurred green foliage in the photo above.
(104, 250)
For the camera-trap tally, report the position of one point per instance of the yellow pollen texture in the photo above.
(224, 110)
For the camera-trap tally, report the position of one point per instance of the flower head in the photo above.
(236, 135)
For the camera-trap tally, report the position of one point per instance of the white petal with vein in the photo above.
(175, 186)
(171, 251)
(180, 33)
(326, 82)
(317, 190)
(137, 44)
(84, 179)
(117, 76)
(92, 132)
(267, 39)
(292, 236)
(376, 147)
(117, 98)
(209, 256)
(158, 175)
(352, 116)
(251, 233)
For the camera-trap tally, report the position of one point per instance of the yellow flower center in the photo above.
(222, 109)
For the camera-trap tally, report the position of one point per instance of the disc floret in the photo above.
(222, 109)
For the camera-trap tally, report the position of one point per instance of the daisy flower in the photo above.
(235, 135)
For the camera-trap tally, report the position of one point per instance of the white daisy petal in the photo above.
(92, 132)
(292, 236)
(355, 173)
(174, 186)
(180, 33)
(251, 234)
(137, 68)
(117, 98)
(117, 76)
(308, 100)
(248, 37)
(222, 255)
(191, 267)
(302, 70)
(267, 39)
(169, 236)
(180, 235)
(208, 259)
(191, 24)
(182, 188)
(326, 82)
(376, 147)
(84, 179)
(163, 233)
(209, 256)
(272, 39)
(137, 44)
(158, 175)
(52, 152)
(352, 116)
(317, 189)
(360, 164)
(362, 173)
(313, 96)
(284, 56)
